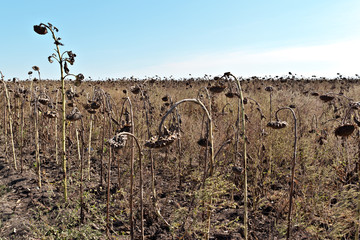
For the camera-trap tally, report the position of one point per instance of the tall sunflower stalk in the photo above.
(63, 58)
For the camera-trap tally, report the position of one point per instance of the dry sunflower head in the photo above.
(91, 111)
(217, 88)
(269, 89)
(135, 89)
(277, 124)
(203, 142)
(162, 141)
(79, 78)
(344, 130)
(326, 98)
(40, 29)
(165, 98)
(43, 99)
(237, 170)
(95, 105)
(126, 128)
(315, 94)
(50, 114)
(118, 141)
(231, 94)
(74, 115)
(70, 94)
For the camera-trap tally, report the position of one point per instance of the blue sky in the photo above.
(115, 39)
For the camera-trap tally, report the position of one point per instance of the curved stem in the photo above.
(127, 100)
(141, 189)
(292, 168)
(210, 125)
(241, 115)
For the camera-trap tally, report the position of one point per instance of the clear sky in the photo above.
(144, 38)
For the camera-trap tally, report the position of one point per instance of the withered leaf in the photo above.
(66, 69)
(58, 43)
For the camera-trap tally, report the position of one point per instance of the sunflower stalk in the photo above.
(63, 59)
(293, 164)
(10, 124)
(241, 125)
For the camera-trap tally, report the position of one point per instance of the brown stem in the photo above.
(108, 182)
(37, 150)
(102, 151)
(22, 135)
(131, 188)
(10, 124)
(288, 234)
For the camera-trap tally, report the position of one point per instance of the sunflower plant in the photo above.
(64, 59)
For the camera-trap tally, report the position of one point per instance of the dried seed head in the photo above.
(159, 142)
(40, 29)
(237, 170)
(165, 98)
(217, 88)
(277, 124)
(326, 98)
(162, 141)
(70, 94)
(74, 115)
(203, 141)
(269, 89)
(135, 89)
(95, 105)
(230, 94)
(79, 78)
(91, 111)
(50, 114)
(43, 99)
(36, 68)
(125, 128)
(314, 94)
(118, 141)
(344, 130)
